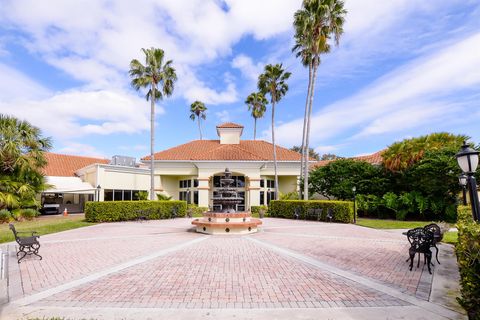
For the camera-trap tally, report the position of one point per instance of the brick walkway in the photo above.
(160, 264)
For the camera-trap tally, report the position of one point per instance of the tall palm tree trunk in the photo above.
(305, 126)
(307, 139)
(274, 151)
(152, 142)
(254, 128)
(199, 127)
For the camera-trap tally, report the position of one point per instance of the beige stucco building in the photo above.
(190, 171)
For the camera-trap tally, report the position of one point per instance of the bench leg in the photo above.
(21, 250)
(35, 248)
(428, 256)
(436, 255)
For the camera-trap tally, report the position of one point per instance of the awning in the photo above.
(68, 185)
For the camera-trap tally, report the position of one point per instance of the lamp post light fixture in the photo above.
(188, 196)
(354, 189)
(463, 180)
(467, 159)
(98, 192)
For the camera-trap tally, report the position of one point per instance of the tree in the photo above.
(311, 152)
(329, 156)
(198, 110)
(403, 154)
(337, 178)
(273, 81)
(22, 157)
(159, 77)
(315, 24)
(257, 104)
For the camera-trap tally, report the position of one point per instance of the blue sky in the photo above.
(403, 68)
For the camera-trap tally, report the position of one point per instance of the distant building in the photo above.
(190, 172)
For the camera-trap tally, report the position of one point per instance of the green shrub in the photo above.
(110, 211)
(29, 214)
(342, 210)
(163, 197)
(142, 195)
(195, 211)
(16, 214)
(468, 257)
(5, 216)
(289, 196)
(255, 210)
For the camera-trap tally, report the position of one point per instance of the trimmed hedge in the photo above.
(468, 257)
(109, 211)
(342, 210)
(256, 209)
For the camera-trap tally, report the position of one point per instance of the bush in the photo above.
(110, 211)
(5, 216)
(468, 257)
(255, 210)
(342, 210)
(161, 196)
(16, 214)
(195, 210)
(29, 214)
(289, 196)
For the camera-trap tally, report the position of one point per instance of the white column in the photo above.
(203, 191)
(254, 191)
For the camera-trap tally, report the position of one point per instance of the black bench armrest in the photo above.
(31, 232)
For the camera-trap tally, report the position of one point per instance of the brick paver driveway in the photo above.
(292, 269)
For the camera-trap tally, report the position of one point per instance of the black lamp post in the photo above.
(463, 180)
(354, 189)
(188, 196)
(98, 192)
(467, 159)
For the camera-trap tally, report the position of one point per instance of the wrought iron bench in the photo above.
(314, 214)
(174, 212)
(296, 214)
(26, 245)
(329, 216)
(420, 242)
(437, 236)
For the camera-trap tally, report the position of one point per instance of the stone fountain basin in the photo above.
(227, 223)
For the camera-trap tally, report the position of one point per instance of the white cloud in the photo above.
(72, 114)
(247, 67)
(94, 41)
(81, 149)
(413, 95)
(223, 116)
(16, 85)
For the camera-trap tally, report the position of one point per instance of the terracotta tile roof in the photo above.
(229, 125)
(374, 158)
(247, 150)
(64, 165)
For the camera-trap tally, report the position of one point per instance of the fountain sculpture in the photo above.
(228, 221)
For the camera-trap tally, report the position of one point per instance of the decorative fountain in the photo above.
(228, 221)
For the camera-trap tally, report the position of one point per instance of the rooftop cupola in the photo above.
(229, 133)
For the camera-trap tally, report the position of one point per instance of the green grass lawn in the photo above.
(44, 225)
(390, 224)
(448, 237)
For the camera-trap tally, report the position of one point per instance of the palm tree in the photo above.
(315, 24)
(198, 110)
(403, 154)
(22, 157)
(257, 104)
(159, 76)
(273, 81)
